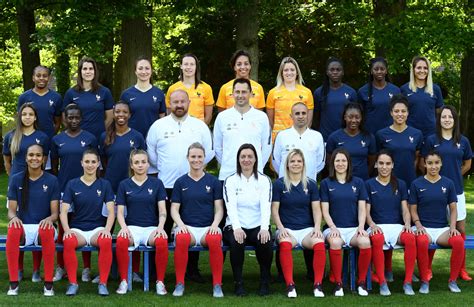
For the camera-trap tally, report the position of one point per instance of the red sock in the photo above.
(136, 261)
(48, 248)
(457, 255)
(20, 260)
(13, 251)
(365, 256)
(431, 253)
(37, 256)
(105, 258)
(422, 244)
(86, 259)
(161, 257)
(319, 262)
(409, 242)
(70, 258)
(216, 258)
(59, 255)
(388, 259)
(121, 250)
(463, 266)
(286, 260)
(336, 264)
(181, 255)
(378, 241)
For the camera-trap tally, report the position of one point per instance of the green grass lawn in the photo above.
(197, 294)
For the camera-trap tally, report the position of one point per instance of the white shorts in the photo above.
(199, 233)
(391, 233)
(299, 235)
(32, 235)
(434, 233)
(140, 235)
(461, 208)
(87, 235)
(346, 234)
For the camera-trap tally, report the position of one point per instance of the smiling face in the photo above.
(384, 165)
(41, 78)
(179, 103)
(139, 164)
(335, 72)
(421, 70)
(242, 67)
(121, 114)
(73, 120)
(196, 159)
(28, 117)
(247, 160)
(87, 72)
(433, 165)
(379, 71)
(447, 119)
(143, 70)
(289, 73)
(90, 164)
(353, 118)
(295, 164)
(241, 94)
(341, 164)
(399, 113)
(34, 157)
(188, 66)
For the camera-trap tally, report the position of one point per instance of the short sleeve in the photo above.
(161, 191)
(313, 187)
(12, 190)
(6, 144)
(55, 194)
(176, 195)
(108, 99)
(277, 190)
(372, 145)
(109, 193)
(217, 189)
(467, 154)
(402, 188)
(67, 195)
(362, 190)
(270, 97)
(323, 191)
(121, 198)
(413, 195)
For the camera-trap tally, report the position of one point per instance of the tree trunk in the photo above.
(136, 38)
(106, 67)
(467, 95)
(248, 25)
(26, 28)
(63, 82)
(384, 9)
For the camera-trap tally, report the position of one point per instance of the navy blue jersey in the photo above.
(118, 154)
(343, 200)
(385, 204)
(432, 199)
(331, 111)
(87, 202)
(422, 108)
(359, 147)
(41, 192)
(403, 146)
(377, 112)
(47, 106)
(145, 107)
(141, 201)
(295, 209)
(196, 199)
(452, 156)
(93, 106)
(69, 151)
(19, 160)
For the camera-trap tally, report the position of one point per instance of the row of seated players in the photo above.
(298, 207)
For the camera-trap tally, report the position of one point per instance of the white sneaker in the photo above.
(13, 292)
(339, 291)
(96, 279)
(136, 277)
(58, 275)
(160, 288)
(318, 291)
(86, 275)
(292, 293)
(361, 291)
(36, 277)
(122, 288)
(47, 292)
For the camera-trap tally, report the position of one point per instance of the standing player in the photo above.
(343, 202)
(389, 220)
(67, 149)
(248, 194)
(238, 125)
(197, 209)
(86, 195)
(288, 91)
(47, 102)
(33, 197)
(330, 99)
(359, 143)
(429, 197)
(167, 142)
(296, 211)
(375, 96)
(456, 153)
(94, 99)
(199, 92)
(143, 197)
(241, 64)
(424, 97)
(146, 101)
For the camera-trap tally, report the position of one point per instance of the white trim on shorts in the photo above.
(87, 235)
(298, 235)
(347, 234)
(434, 233)
(140, 235)
(32, 234)
(391, 233)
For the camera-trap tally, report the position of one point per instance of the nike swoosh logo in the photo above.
(422, 190)
(340, 143)
(131, 99)
(184, 189)
(61, 145)
(373, 192)
(75, 98)
(389, 140)
(330, 190)
(284, 192)
(128, 192)
(436, 145)
(77, 193)
(409, 94)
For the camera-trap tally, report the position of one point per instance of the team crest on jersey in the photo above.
(51, 103)
(132, 143)
(305, 191)
(238, 191)
(97, 97)
(208, 189)
(396, 192)
(45, 188)
(99, 193)
(301, 97)
(390, 95)
(150, 191)
(83, 143)
(458, 145)
(363, 143)
(155, 98)
(354, 189)
(198, 94)
(347, 95)
(37, 141)
(443, 189)
(253, 94)
(411, 139)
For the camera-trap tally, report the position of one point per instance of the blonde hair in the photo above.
(286, 177)
(17, 134)
(299, 77)
(429, 78)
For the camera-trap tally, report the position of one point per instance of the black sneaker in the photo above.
(195, 276)
(264, 289)
(239, 289)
